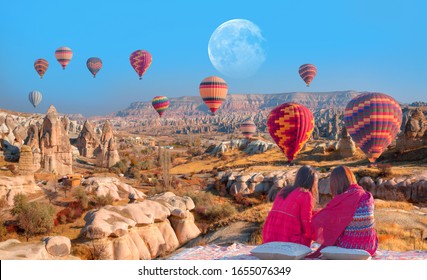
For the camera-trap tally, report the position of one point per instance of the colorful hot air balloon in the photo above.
(290, 125)
(140, 61)
(64, 55)
(160, 104)
(94, 64)
(213, 91)
(41, 66)
(307, 73)
(248, 128)
(373, 120)
(35, 97)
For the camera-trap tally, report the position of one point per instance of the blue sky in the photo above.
(360, 45)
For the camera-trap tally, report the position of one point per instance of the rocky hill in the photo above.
(242, 103)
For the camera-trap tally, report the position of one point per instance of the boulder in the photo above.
(58, 246)
(185, 229)
(13, 249)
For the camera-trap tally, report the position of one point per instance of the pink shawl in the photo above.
(329, 223)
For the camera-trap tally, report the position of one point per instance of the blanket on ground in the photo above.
(239, 251)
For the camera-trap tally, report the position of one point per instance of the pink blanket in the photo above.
(239, 251)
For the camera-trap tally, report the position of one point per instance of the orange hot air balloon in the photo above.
(248, 128)
(64, 55)
(41, 66)
(373, 120)
(290, 125)
(307, 73)
(140, 61)
(213, 91)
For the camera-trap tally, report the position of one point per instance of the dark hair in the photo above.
(307, 179)
(341, 178)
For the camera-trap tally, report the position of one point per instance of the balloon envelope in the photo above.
(41, 66)
(248, 128)
(94, 64)
(290, 125)
(140, 61)
(373, 120)
(307, 73)
(35, 98)
(64, 55)
(160, 104)
(213, 91)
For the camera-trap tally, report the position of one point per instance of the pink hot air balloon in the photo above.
(140, 61)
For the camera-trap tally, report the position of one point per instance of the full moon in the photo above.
(236, 48)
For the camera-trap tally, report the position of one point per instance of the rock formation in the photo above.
(26, 161)
(108, 155)
(10, 186)
(346, 145)
(51, 248)
(142, 230)
(101, 186)
(88, 142)
(415, 132)
(55, 147)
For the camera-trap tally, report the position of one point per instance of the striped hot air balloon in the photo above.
(248, 128)
(160, 104)
(373, 120)
(290, 125)
(213, 91)
(41, 66)
(35, 98)
(307, 73)
(64, 55)
(140, 61)
(94, 64)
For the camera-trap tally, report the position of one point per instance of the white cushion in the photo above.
(338, 253)
(281, 251)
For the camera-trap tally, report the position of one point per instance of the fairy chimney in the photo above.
(55, 147)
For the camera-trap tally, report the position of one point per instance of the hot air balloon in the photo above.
(41, 66)
(94, 64)
(213, 91)
(140, 61)
(64, 55)
(290, 125)
(373, 120)
(307, 73)
(160, 104)
(35, 97)
(248, 128)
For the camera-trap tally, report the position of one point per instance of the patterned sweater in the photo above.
(360, 233)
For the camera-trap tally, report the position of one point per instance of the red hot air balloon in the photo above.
(64, 55)
(290, 125)
(213, 91)
(41, 66)
(248, 128)
(160, 104)
(140, 61)
(94, 64)
(373, 120)
(307, 73)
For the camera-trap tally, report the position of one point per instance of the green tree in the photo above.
(33, 217)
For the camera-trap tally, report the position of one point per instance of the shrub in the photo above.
(81, 196)
(35, 218)
(20, 201)
(385, 170)
(103, 200)
(209, 209)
